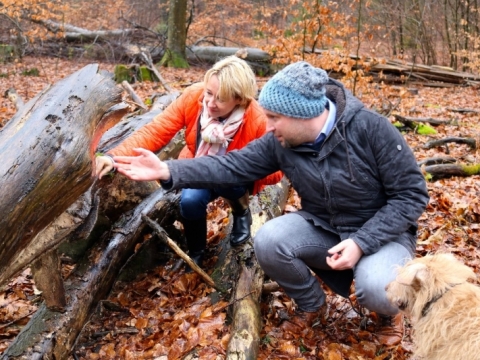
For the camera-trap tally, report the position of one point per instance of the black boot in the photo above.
(197, 259)
(242, 219)
(196, 236)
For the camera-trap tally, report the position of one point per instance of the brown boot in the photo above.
(390, 329)
(302, 320)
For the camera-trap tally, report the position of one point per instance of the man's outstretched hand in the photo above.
(146, 166)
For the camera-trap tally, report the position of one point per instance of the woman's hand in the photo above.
(103, 165)
(144, 167)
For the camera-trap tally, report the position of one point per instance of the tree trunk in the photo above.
(47, 152)
(177, 35)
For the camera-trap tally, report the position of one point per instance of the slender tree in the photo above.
(175, 54)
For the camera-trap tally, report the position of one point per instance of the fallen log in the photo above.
(118, 193)
(408, 120)
(128, 125)
(81, 216)
(136, 99)
(448, 170)
(471, 142)
(148, 60)
(437, 160)
(247, 319)
(212, 54)
(75, 33)
(47, 151)
(464, 111)
(50, 335)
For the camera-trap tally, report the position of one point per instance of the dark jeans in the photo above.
(193, 202)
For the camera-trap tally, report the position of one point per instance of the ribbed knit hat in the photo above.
(297, 91)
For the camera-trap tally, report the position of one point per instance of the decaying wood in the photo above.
(136, 99)
(162, 234)
(85, 210)
(472, 143)
(48, 278)
(114, 136)
(464, 111)
(258, 59)
(411, 120)
(437, 160)
(212, 54)
(72, 33)
(117, 195)
(247, 319)
(401, 72)
(50, 335)
(148, 60)
(449, 170)
(45, 147)
(49, 237)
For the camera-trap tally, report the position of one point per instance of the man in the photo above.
(361, 189)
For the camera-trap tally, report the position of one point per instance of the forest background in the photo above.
(346, 38)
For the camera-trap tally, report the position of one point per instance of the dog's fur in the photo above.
(444, 308)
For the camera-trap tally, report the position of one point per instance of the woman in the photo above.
(219, 115)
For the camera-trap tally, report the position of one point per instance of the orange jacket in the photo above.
(185, 112)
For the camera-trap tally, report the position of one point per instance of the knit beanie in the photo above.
(297, 91)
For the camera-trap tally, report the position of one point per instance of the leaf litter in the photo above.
(170, 315)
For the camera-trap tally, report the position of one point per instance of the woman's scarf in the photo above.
(215, 134)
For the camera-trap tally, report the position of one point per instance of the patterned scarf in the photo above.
(215, 134)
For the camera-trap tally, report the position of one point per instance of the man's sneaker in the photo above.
(390, 329)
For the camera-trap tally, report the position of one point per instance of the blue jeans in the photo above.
(288, 246)
(193, 202)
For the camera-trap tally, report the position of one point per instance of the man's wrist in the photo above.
(167, 184)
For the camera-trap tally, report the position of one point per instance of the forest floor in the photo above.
(155, 314)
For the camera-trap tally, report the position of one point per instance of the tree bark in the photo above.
(48, 278)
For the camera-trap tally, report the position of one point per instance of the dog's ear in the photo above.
(413, 275)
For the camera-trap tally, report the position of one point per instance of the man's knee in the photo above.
(264, 239)
(370, 293)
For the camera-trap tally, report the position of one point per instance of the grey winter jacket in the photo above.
(363, 184)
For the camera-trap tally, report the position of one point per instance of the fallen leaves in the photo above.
(166, 316)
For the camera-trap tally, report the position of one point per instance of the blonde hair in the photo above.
(236, 80)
